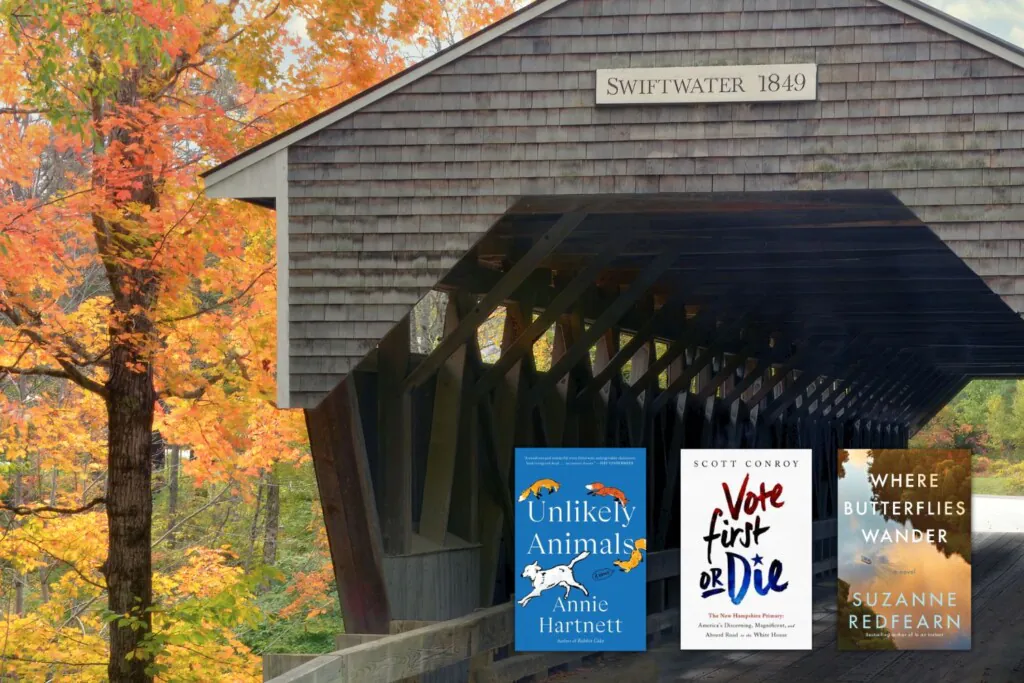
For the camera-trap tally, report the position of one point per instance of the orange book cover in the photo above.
(904, 550)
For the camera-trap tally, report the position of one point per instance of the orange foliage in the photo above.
(109, 249)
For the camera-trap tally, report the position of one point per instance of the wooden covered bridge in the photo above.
(818, 273)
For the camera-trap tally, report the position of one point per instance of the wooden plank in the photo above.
(554, 401)
(522, 666)
(717, 337)
(996, 605)
(635, 402)
(798, 389)
(603, 375)
(949, 393)
(406, 625)
(663, 564)
(738, 359)
(579, 375)
(506, 422)
(278, 664)
(754, 665)
(508, 284)
(464, 514)
(607, 348)
(773, 380)
(343, 641)
(394, 439)
(350, 514)
(429, 648)
(444, 435)
(566, 298)
(673, 458)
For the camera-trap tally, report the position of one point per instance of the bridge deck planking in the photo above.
(996, 657)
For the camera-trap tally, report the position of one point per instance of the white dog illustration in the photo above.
(544, 579)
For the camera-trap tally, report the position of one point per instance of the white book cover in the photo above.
(745, 552)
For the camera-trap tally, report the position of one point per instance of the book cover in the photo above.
(904, 550)
(745, 551)
(580, 549)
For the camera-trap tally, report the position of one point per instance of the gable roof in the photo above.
(915, 9)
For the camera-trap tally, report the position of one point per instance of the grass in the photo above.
(995, 486)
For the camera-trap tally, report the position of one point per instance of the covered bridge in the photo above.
(819, 267)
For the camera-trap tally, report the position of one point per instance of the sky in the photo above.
(1003, 18)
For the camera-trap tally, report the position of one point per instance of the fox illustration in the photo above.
(599, 489)
(635, 558)
(539, 485)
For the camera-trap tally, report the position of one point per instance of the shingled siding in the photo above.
(385, 201)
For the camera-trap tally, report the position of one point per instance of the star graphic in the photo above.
(757, 560)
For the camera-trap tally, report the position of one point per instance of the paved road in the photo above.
(1001, 514)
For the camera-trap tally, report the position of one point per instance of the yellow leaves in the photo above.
(64, 431)
(76, 542)
(38, 648)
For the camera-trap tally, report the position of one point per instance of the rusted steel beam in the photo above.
(350, 514)
(508, 283)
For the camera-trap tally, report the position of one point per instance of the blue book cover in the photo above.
(581, 529)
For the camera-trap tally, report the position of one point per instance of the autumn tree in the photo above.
(130, 304)
(121, 280)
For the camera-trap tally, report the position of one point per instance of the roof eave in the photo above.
(913, 8)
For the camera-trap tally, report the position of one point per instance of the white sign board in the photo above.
(705, 84)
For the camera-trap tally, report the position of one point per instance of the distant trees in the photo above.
(987, 418)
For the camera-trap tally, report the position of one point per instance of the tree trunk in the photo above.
(19, 581)
(273, 516)
(128, 568)
(44, 573)
(173, 454)
(254, 526)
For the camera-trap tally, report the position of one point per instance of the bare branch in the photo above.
(213, 501)
(222, 303)
(27, 510)
(72, 373)
(38, 371)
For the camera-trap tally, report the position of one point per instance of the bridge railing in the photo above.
(483, 636)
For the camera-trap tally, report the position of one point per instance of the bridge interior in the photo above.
(995, 657)
(814, 320)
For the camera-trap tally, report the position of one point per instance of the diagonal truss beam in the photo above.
(495, 297)
(611, 315)
(562, 302)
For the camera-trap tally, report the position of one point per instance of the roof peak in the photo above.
(915, 9)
